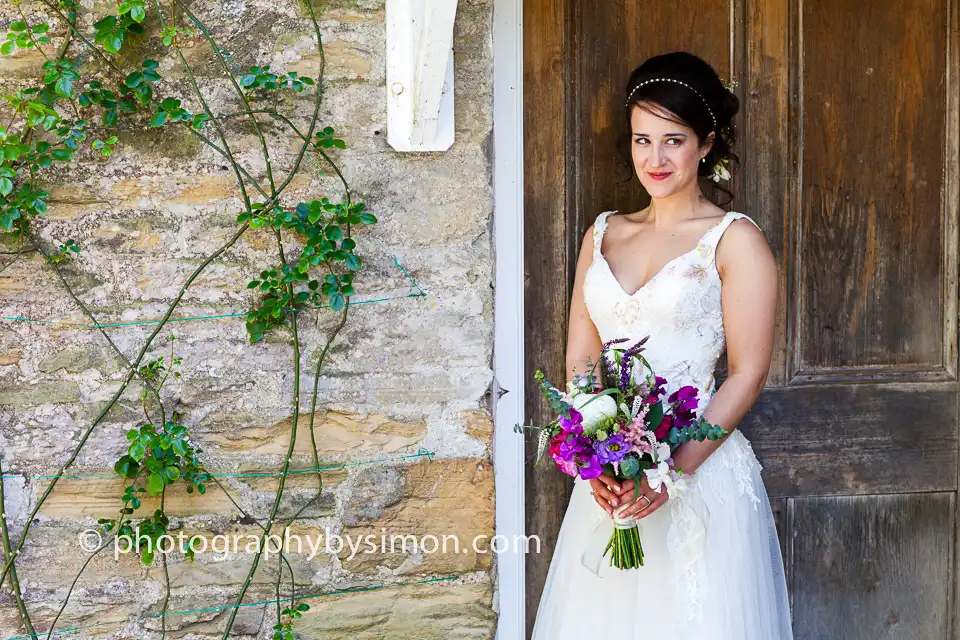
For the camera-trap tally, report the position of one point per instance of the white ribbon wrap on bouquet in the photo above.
(592, 557)
(686, 539)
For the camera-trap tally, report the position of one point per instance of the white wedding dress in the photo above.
(712, 567)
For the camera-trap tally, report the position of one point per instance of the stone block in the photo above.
(438, 499)
(25, 395)
(337, 433)
(431, 611)
(102, 498)
(479, 424)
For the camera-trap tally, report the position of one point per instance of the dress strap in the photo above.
(599, 228)
(712, 239)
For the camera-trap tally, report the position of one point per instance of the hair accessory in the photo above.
(720, 171)
(680, 82)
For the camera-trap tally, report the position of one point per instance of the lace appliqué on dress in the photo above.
(689, 517)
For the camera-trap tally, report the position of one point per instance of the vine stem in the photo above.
(73, 28)
(30, 33)
(86, 311)
(209, 112)
(104, 545)
(183, 290)
(243, 97)
(283, 477)
(8, 552)
(293, 127)
(166, 576)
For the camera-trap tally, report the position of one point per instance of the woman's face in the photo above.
(665, 154)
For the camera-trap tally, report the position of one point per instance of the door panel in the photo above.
(849, 148)
(873, 567)
(870, 136)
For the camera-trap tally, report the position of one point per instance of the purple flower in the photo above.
(684, 394)
(626, 365)
(613, 449)
(574, 446)
(569, 467)
(572, 422)
(657, 390)
(589, 466)
(684, 401)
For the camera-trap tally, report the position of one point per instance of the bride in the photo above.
(696, 280)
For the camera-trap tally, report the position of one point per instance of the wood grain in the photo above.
(764, 149)
(856, 439)
(873, 104)
(871, 567)
(614, 42)
(549, 265)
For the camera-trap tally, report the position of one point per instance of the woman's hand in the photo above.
(646, 502)
(608, 492)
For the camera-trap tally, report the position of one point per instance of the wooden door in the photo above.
(850, 159)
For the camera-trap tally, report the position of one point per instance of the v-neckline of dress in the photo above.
(662, 269)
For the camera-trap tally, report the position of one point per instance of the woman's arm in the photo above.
(749, 304)
(583, 339)
(583, 347)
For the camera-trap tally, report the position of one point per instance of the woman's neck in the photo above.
(675, 208)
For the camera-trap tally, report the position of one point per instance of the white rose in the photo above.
(599, 409)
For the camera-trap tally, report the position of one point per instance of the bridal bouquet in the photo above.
(618, 422)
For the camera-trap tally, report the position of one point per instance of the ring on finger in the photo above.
(647, 505)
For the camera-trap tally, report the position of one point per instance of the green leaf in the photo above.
(353, 262)
(18, 25)
(127, 467)
(110, 117)
(64, 87)
(368, 218)
(172, 473)
(180, 447)
(138, 14)
(8, 47)
(62, 155)
(6, 186)
(630, 467)
(137, 450)
(155, 484)
(134, 79)
(159, 119)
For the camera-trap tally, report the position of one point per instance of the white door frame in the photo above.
(509, 377)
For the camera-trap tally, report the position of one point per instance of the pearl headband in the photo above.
(645, 82)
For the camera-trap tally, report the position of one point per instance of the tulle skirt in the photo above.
(712, 564)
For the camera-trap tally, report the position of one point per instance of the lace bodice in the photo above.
(679, 308)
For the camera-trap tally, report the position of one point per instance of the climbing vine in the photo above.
(85, 91)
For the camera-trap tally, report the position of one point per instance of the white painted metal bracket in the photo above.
(420, 74)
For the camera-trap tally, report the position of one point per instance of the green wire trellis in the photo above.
(416, 292)
(248, 604)
(421, 453)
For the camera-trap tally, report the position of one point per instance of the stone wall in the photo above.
(408, 374)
